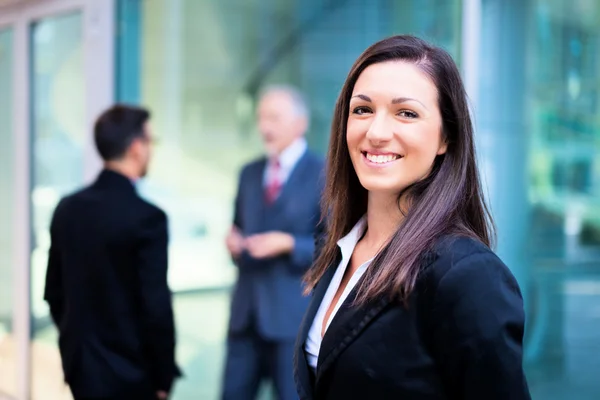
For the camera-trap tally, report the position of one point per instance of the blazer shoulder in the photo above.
(150, 209)
(254, 164)
(314, 159)
(71, 199)
(465, 259)
(454, 247)
(253, 167)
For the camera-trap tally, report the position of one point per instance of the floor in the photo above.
(569, 368)
(572, 369)
(201, 325)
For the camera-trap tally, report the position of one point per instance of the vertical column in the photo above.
(470, 36)
(503, 144)
(502, 136)
(22, 214)
(172, 87)
(128, 50)
(98, 45)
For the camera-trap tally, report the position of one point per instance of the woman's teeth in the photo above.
(381, 159)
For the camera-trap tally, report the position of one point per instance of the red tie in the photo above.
(273, 184)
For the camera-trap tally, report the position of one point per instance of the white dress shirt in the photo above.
(347, 245)
(288, 159)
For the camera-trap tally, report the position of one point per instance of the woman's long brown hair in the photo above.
(448, 201)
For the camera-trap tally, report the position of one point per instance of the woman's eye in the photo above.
(361, 110)
(408, 114)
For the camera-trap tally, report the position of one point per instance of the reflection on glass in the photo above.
(58, 134)
(563, 50)
(566, 102)
(8, 358)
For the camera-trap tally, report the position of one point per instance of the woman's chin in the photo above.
(382, 188)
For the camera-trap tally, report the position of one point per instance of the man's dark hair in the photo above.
(116, 128)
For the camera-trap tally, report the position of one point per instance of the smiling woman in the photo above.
(409, 301)
(393, 131)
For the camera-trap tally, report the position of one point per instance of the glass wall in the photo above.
(8, 359)
(538, 130)
(58, 137)
(201, 63)
(563, 103)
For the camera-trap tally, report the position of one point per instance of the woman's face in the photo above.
(394, 126)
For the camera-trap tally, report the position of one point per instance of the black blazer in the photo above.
(106, 286)
(460, 337)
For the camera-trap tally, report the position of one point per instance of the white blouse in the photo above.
(347, 245)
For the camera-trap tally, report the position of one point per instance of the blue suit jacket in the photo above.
(268, 292)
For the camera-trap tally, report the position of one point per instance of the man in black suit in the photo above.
(106, 282)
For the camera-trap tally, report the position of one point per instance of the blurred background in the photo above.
(532, 70)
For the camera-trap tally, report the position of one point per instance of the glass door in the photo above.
(56, 76)
(58, 135)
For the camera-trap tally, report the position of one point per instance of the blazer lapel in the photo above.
(294, 176)
(260, 174)
(302, 372)
(350, 321)
(347, 324)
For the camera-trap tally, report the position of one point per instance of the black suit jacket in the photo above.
(106, 285)
(459, 338)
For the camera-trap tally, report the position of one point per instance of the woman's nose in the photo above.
(380, 129)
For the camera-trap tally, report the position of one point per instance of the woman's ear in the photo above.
(443, 142)
(443, 147)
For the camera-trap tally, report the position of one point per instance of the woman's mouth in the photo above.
(380, 159)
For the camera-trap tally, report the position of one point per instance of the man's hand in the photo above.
(269, 244)
(162, 395)
(235, 242)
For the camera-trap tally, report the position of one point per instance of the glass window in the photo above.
(201, 64)
(563, 100)
(58, 135)
(8, 360)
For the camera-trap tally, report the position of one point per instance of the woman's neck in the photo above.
(383, 218)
